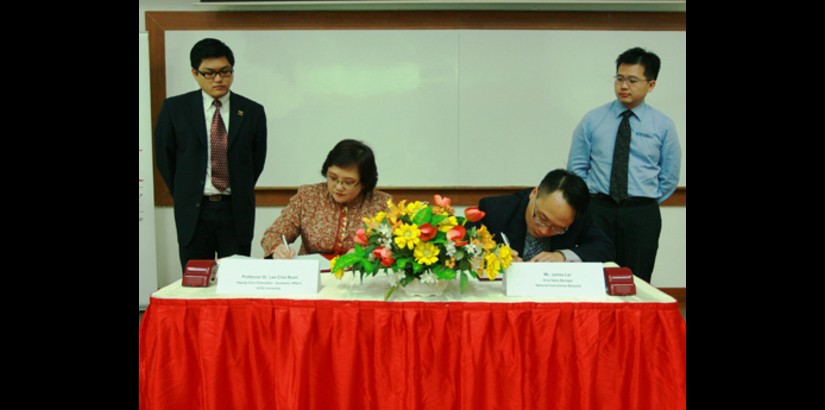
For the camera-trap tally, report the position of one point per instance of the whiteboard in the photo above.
(438, 107)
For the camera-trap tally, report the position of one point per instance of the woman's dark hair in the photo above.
(349, 153)
(209, 48)
(572, 187)
(640, 56)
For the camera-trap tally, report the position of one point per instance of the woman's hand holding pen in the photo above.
(283, 251)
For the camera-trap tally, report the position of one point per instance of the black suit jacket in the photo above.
(181, 152)
(506, 213)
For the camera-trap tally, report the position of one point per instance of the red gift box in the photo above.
(619, 281)
(199, 273)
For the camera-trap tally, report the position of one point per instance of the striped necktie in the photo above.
(217, 139)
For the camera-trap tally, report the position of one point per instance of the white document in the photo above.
(323, 263)
(268, 277)
(555, 279)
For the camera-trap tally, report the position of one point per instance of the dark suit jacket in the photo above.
(506, 213)
(181, 149)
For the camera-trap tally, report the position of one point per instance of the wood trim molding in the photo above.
(417, 20)
(680, 294)
(158, 22)
(460, 196)
(679, 198)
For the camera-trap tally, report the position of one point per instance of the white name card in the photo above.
(268, 277)
(554, 279)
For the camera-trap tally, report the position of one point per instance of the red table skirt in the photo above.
(304, 354)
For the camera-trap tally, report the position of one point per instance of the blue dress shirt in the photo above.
(655, 154)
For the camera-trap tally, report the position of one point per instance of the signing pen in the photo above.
(506, 241)
(283, 237)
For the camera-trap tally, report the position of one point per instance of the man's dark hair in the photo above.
(351, 152)
(573, 188)
(638, 55)
(209, 48)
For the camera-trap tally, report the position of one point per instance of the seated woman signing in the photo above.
(327, 214)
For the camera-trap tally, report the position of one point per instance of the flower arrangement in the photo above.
(424, 242)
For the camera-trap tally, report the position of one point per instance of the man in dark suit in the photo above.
(210, 147)
(548, 223)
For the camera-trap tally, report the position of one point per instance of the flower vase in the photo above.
(417, 288)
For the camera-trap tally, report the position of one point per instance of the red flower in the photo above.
(385, 255)
(457, 235)
(427, 232)
(361, 237)
(441, 201)
(473, 214)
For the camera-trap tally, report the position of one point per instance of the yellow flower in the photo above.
(447, 224)
(493, 265)
(406, 236)
(486, 238)
(414, 207)
(426, 253)
(395, 212)
(506, 256)
(340, 272)
(372, 223)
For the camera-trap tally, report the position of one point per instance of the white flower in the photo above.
(385, 231)
(476, 263)
(449, 247)
(472, 249)
(385, 242)
(428, 277)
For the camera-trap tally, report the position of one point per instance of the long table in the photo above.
(346, 348)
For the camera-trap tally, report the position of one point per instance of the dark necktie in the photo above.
(217, 138)
(621, 156)
(532, 247)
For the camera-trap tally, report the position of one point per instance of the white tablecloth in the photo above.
(374, 288)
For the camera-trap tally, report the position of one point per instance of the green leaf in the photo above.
(423, 216)
(417, 267)
(443, 272)
(347, 260)
(437, 219)
(401, 263)
(459, 255)
(368, 266)
(360, 251)
(406, 280)
(464, 281)
(441, 237)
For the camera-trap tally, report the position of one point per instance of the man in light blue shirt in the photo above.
(646, 160)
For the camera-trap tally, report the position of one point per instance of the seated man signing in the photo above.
(548, 223)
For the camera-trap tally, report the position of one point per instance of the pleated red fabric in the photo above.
(354, 355)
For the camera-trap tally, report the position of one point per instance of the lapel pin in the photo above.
(240, 113)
